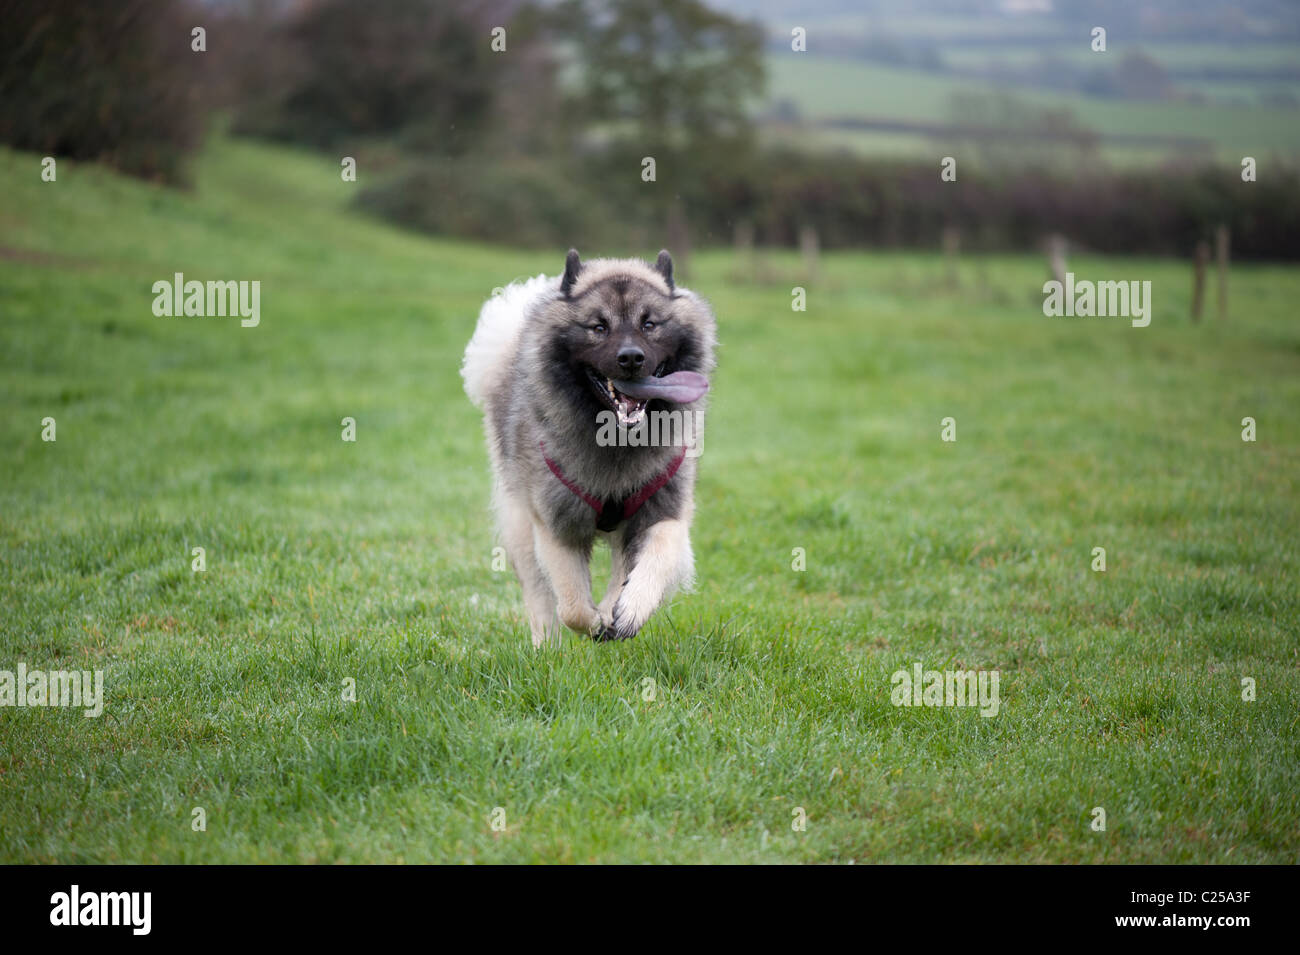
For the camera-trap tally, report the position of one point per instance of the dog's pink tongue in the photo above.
(682, 387)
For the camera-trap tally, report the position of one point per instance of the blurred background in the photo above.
(538, 133)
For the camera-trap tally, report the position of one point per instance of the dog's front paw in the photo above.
(616, 627)
(621, 625)
(604, 631)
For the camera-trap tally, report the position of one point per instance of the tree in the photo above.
(671, 74)
(668, 79)
(114, 82)
(420, 69)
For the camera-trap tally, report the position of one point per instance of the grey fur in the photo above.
(534, 392)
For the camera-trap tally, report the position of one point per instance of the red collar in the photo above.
(618, 510)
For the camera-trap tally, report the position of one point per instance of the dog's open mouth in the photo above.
(628, 397)
(629, 410)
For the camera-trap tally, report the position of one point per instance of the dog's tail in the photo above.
(491, 351)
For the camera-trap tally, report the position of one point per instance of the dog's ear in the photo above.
(664, 266)
(572, 266)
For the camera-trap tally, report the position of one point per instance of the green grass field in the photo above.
(1172, 55)
(372, 561)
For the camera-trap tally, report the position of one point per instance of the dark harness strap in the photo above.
(610, 512)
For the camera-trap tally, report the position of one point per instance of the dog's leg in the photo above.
(539, 601)
(569, 571)
(617, 575)
(663, 562)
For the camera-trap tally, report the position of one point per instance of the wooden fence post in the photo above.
(810, 246)
(1056, 248)
(745, 249)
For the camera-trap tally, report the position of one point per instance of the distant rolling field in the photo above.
(824, 89)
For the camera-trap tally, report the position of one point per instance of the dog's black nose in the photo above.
(631, 358)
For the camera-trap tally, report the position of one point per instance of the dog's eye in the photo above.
(599, 327)
(646, 323)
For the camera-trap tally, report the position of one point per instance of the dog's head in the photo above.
(622, 335)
